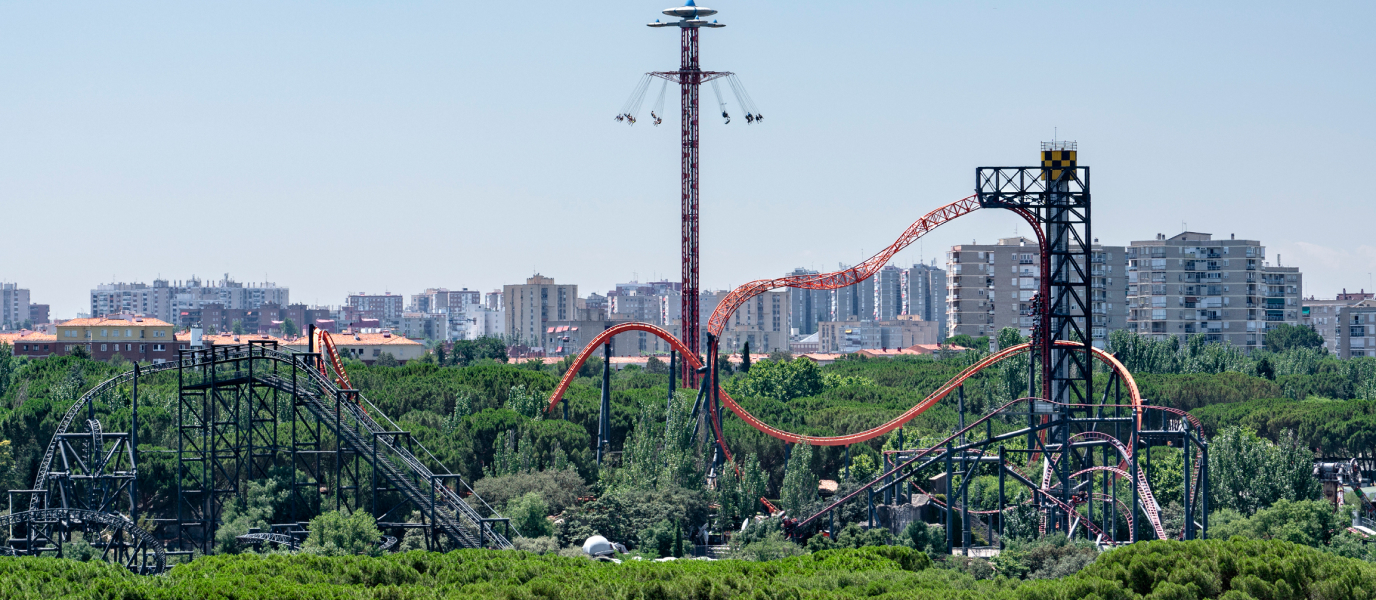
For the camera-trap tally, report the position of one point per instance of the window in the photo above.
(102, 347)
(159, 347)
(103, 333)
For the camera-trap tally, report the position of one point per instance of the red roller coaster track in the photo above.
(850, 276)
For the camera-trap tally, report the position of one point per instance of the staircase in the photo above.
(394, 463)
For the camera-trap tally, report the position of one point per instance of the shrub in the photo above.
(527, 514)
(559, 489)
(337, 533)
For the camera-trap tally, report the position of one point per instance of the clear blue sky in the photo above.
(390, 146)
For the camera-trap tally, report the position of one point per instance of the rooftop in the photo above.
(116, 321)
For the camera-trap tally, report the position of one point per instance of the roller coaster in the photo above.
(245, 410)
(1066, 424)
(242, 411)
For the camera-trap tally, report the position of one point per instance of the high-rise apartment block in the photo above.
(169, 300)
(888, 294)
(853, 336)
(1347, 323)
(14, 305)
(529, 306)
(924, 295)
(807, 307)
(1223, 289)
(386, 308)
(990, 287)
(762, 321)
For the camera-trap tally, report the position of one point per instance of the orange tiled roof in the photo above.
(106, 322)
(26, 336)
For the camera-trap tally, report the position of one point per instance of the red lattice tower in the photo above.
(690, 78)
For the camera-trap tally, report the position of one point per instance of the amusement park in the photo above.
(1046, 451)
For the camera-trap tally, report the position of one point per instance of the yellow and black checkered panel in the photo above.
(1054, 161)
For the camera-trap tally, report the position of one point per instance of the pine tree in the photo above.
(745, 358)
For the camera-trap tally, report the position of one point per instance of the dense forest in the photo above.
(1268, 415)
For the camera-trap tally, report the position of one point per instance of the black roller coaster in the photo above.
(242, 411)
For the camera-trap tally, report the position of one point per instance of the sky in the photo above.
(347, 146)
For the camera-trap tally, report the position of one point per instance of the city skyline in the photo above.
(436, 140)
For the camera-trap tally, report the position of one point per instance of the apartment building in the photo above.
(14, 305)
(1341, 322)
(924, 294)
(1223, 289)
(990, 287)
(807, 307)
(845, 337)
(531, 305)
(763, 321)
(166, 300)
(888, 294)
(135, 338)
(853, 301)
(386, 308)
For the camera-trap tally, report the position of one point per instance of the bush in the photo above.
(1050, 557)
(774, 546)
(527, 514)
(337, 533)
(658, 539)
(537, 545)
(559, 489)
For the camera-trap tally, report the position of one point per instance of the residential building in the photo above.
(807, 307)
(368, 347)
(425, 326)
(855, 335)
(763, 321)
(888, 294)
(386, 308)
(135, 338)
(1224, 289)
(166, 300)
(487, 322)
(493, 300)
(14, 306)
(33, 344)
(924, 294)
(531, 305)
(855, 300)
(1343, 323)
(990, 287)
(38, 314)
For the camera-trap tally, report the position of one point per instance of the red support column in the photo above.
(690, 77)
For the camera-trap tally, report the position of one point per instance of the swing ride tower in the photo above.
(690, 77)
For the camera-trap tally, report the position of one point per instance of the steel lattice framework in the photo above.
(690, 78)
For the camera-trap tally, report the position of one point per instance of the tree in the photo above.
(1308, 522)
(338, 533)
(289, 328)
(386, 360)
(653, 366)
(979, 344)
(799, 487)
(745, 358)
(782, 381)
(1248, 473)
(527, 514)
(238, 327)
(6, 366)
(255, 510)
(81, 351)
(1286, 336)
